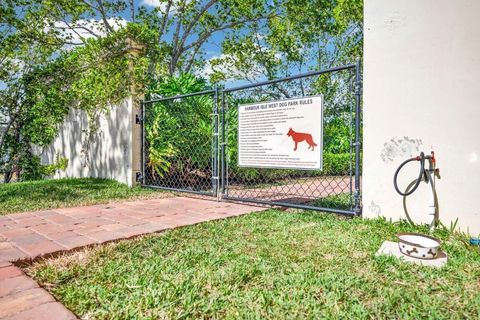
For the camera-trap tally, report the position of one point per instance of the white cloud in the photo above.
(153, 3)
(162, 5)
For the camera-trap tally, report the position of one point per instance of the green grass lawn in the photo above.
(47, 194)
(271, 264)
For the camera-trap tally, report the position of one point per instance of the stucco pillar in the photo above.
(421, 93)
(137, 96)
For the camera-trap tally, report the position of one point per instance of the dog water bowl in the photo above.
(419, 246)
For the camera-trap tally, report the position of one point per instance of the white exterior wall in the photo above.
(422, 93)
(107, 155)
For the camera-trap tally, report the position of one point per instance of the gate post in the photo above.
(358, 94)
(223, 144)
(142, 147)
(216, 149)
(136, 95)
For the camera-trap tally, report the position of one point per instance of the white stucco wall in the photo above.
(107, 155)
(422, 93)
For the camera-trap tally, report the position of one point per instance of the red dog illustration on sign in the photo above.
(299, 137)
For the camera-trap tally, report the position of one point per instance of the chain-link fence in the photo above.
(332, 188)
(191, 143)
(179, 143)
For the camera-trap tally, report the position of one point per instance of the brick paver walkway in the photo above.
(26, 236)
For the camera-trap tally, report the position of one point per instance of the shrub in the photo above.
(179, 132)
(336, 136)
(33, 169)
(336, 164)
(60, 163)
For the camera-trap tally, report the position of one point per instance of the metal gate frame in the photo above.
(219, 164)
(215, 143)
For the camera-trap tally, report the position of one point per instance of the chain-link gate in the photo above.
(180, 142)
(204, 157)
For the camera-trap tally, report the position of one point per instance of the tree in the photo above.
(45, 74)
(184, 27)
(71, 53)
(304, 35)
(26, 44)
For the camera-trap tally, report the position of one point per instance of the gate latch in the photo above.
(138, 119)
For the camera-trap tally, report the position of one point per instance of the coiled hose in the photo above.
(408, 192)
(422, 175)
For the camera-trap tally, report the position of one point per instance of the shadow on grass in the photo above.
(36, 195)
(338, 201)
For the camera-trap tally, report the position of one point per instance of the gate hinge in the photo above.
(354, 144)
(138, 177)
(138, 119)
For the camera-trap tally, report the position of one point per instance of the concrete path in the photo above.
(30, 235)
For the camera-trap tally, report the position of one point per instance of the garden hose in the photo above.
(435, 202)
(425, 175)
(416, 183)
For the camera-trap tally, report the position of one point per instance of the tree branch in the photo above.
(164, 20)
(103, 13)
(206, 34)
(132, 10)
(176, 52)
(194, 21)
(192, 58)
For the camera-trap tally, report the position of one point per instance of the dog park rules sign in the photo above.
(283, 134)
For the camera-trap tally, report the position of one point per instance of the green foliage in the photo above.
(336, 164)
(61, 163)
(185, 27)
(337, 136)
(92, 78)
(301, 36)
(179, 132)
(45, 106)
(103, 71)
(33, 169)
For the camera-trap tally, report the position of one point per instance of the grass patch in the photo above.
(48, 194)
(271, 264)
(337, 201)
